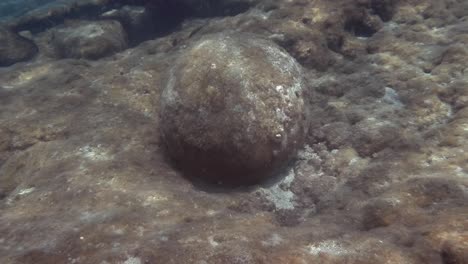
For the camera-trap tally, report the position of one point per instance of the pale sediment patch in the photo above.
(279, 194)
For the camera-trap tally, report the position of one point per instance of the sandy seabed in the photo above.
(382, 177)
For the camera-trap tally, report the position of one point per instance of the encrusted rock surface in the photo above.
(382, 176)
(233, 110)
(88, 39)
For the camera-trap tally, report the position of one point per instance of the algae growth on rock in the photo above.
(233, 110)
(380, 176)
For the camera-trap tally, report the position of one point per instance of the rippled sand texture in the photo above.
(382, 177)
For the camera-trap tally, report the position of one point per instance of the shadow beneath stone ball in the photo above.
(207, 184)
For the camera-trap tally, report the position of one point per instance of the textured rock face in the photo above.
(382, 178)
(89, 40)
(14, 48)
(233, 110)
(136, 20)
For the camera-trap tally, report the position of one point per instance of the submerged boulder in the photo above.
(14, 48)
(136, 20)
(233, 111)
(89, 39)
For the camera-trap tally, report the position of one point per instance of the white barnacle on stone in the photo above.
(281, 115)
(132, 260)
(274, 240)
(26, 191)
(329, 247)
(154, 199)
(212, 241)
(279, 88)
(392, 97)
(92, 153)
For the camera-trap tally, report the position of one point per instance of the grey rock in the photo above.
(89, 39)
(14, 48)
(233, 110)
(136, 20)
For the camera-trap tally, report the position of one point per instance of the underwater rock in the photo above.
(381, 212)
(136, 20)
(89, 40)
(233, 110)
(14, 48)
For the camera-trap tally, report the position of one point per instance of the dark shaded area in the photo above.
(454, 253)
(164, 16)
(161, 16)
(385, 9)
(215, 174)
(359, 28)
(361, 24)
(15, 48)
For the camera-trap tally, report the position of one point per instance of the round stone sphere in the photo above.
(233, 111)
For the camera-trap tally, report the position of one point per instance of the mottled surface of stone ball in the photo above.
(234, 111)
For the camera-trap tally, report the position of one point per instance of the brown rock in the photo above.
(381, 212)
(233, 110)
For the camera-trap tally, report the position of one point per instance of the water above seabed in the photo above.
(14, 8)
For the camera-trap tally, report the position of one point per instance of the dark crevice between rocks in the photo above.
(164, 17)
(385, 9)
(161, 16)
(362, 20)
(359, 28)
(335, 42)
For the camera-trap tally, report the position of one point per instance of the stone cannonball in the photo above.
(233, 110)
